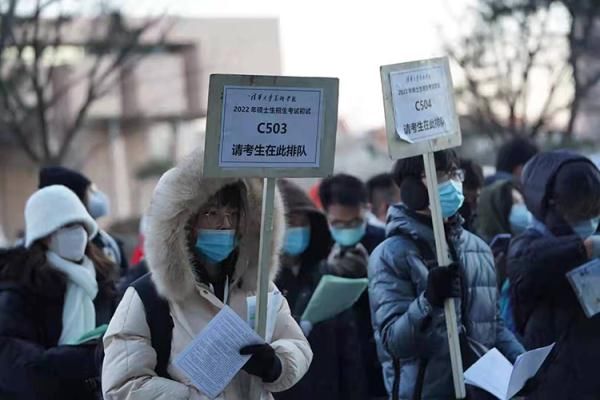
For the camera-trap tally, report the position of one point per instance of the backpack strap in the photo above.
(159, 321)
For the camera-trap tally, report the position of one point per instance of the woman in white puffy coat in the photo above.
(202, 251)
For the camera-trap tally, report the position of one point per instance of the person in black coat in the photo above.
(344, 198)
(337, 370)
(46, 306)
(562, 190)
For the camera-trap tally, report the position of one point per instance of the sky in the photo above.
(346, 39)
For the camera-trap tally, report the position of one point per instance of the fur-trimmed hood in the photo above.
(178, 196)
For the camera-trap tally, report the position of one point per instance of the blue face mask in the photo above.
(586, 228)
(216, 244)
(520, 218)
(451, 197)
(348, 236)
(98, 204)
(296, 240)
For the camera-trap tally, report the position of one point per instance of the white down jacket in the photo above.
(128, 369)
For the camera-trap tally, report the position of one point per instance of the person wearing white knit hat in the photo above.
(50, 209)
(96, 203)
(53, 293)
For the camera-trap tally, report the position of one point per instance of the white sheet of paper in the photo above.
(275, 299)
(585, 281)
(213, 358)
(496, 375)
(526, 366)
(491, 373)
(422, 108)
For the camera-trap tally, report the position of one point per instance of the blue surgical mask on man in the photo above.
(451, 197)
(297, 240)
(520, 218)
(348, 237)
(216, 244)
(586, 228)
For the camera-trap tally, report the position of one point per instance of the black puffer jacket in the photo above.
(32, 365)
(337, 370)
(546, 309)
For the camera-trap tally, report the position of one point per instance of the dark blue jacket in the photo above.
(374, 235)
(407, 327)
(545, 307)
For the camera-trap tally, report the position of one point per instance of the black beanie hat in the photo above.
(75, 181)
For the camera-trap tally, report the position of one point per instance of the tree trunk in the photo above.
(575, 106)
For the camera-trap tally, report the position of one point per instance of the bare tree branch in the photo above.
(15, 126)
(38, 87)
(512, 42)
(99, 86)
(27, 105)
(7, 21)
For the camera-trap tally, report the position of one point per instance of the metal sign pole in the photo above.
(264, 255)
(264, 259)
(443, 259)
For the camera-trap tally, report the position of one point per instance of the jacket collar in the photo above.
(403, 221)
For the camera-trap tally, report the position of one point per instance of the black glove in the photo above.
(443, 283)
(264, 363)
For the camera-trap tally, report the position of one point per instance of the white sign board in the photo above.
(271, 126)
(419, 107)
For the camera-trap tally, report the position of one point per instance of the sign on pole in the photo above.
(421, 118)
(420, 113)
(270, 127)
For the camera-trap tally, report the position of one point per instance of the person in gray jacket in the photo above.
(407, 289)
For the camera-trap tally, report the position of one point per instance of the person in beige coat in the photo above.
(202, 251)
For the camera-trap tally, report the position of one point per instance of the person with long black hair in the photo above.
(53, 292)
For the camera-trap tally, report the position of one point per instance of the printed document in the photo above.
(495, 374)
(213, 358)
(585, 281)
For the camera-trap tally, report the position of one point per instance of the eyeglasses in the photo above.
(215, 216)
(455, 174)
(347, 224)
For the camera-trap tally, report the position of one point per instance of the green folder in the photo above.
(97, 333)
(332, 296)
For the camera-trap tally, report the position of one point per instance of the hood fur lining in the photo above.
(177, 197)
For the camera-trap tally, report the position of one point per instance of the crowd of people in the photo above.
(78, 322)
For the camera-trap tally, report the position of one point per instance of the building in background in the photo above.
(588, 122)
(154, 115)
